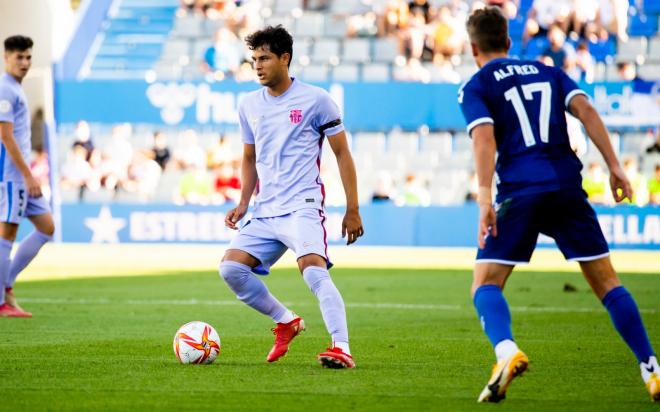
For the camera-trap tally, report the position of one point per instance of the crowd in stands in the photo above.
(206, 176)
(208, 173)
(430, 34)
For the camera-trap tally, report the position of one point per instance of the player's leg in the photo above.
(28, 249)
(515, 242)
(306, 235)
(580, 238)
(315, 273)
(255, 250)
(626, 318)
(7, 236)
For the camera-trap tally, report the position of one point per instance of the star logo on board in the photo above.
(105, 228)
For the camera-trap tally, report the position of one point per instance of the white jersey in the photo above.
(287, 132)
(14, 109)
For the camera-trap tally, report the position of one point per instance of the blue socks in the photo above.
(627, 321)
(493, 313)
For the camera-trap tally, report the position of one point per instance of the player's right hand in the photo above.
(234, 216)
(487, 224)
(620, 185)
(33, 186)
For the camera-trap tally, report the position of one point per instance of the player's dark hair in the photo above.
(18, 43)
(489, 30)
(277, 39)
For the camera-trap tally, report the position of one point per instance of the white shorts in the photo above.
(15, 204)
(267, 238)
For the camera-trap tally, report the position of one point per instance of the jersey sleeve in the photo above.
(328, 118)
(568, 88)
(244, 125)
(471, 98)
(7, 103)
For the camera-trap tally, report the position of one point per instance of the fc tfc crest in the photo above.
(295, 116)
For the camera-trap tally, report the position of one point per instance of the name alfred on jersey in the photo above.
(512, 69)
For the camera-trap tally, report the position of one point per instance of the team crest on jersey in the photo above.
(295, 116)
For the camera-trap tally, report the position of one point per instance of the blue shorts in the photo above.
(15, 204)
(566, 216)
(302, 231)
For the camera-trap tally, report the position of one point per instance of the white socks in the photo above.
(649, 368)
(253, 292)
(5, 251)
(331, 303)
(505, 349)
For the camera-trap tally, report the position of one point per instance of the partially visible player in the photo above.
(283, 126)
(515, 109)
(20, 193)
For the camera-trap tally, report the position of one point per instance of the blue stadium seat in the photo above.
(535, 47)
(651, 6)
(602, 50)
(643, 25)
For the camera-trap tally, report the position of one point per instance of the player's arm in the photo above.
(7, 135)
(485, 147)
(248, 183)
(352, 224)
(587, 114)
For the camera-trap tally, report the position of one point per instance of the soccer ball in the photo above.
(196, 342)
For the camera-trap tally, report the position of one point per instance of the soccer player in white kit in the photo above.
(283, 126)
(20, 192)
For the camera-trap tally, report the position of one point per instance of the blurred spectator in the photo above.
(561, 53)
(143, 176)
(637, 181)
(362, 25)
(76, 171)
(384, 191)
(583, 15)
(227, 185)
(195, 187)
(83, 136)
(41, 171)
(655, 147)
(654, 186)
(626, 71)
(414, 193)
(448, 35)
(509, 8)
(545, 13)
(596, 184)
(613, 17)
(585, 64)
(219, 153)
(189, 153)
(421, 7)
(118, 155)
(37, 129)
(160, 152)
(224, 57)
(473, 188)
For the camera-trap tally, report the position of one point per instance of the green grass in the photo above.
(106, 344)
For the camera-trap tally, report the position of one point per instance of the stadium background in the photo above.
(110, 75)
(105, 307)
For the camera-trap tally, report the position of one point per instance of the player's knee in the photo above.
(48, 230)
(233, 272)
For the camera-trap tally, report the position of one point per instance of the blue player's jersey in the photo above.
(525, 101)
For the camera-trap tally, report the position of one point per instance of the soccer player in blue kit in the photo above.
(20, 193)
(283, 126)
(515, 109)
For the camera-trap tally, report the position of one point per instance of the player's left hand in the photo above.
(487, 224)
(351, 226)
(33, 187)
(620, 185)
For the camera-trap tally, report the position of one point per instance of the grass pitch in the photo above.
(106, 344)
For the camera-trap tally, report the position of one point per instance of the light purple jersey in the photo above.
(287, 132)
(14, 109)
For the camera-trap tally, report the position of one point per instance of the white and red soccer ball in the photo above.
(196, 342)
